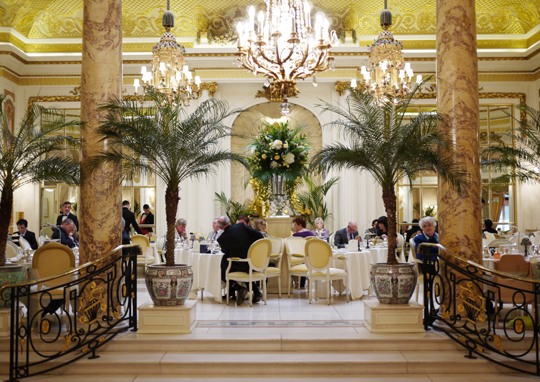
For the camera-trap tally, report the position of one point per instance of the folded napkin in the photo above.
(353, 245)
(196, 246)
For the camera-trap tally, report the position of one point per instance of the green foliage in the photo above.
(279, 150)
(32, 154)
(313, 199)
(381, 141)
(167, 140)
(233, 209)
(521, 162)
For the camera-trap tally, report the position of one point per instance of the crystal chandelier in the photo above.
(284, 46)
(170, 74)
(388, 77)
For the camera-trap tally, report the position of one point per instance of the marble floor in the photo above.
(278, 315)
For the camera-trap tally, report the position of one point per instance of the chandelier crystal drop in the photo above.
(388, 76)
(169, 74)
(283, 45)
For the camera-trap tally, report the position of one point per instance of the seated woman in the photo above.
(382, 227)
(300, 228)
(372, 232)
(260, 225)
(427, 236)
(320, 231)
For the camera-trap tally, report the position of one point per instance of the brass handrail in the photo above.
(494, 271)
(71, 271)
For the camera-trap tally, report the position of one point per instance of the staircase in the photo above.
(316, 354)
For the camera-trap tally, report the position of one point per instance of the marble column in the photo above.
(457, 101)
(100, 212)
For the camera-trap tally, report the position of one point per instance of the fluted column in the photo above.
(100, 213)
(457, 100)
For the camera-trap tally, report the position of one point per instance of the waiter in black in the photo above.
(129, 218)
(66, 214)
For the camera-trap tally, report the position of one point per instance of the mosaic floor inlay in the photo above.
(330, 323)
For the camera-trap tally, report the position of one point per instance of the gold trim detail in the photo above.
(211, 87)
(342, 86)
(45, 326)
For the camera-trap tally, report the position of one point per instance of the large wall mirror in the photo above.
(499, 202)
(138, 189)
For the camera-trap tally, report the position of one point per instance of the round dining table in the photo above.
(206, 271)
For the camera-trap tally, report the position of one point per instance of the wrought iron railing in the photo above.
(474, 306)
(57, 320)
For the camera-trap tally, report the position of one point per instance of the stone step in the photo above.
(331, 364)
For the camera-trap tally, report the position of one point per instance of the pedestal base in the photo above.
(5, 320)
(167, 319)
(393, 318)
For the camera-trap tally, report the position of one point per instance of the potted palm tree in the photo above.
(390, 147)
(30, 154)
(164, 139)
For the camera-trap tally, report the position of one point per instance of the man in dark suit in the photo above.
(342, 237)
(30, 237)
(147, 218)
(235, 242)
(63, 233)
(129, 218)
(66, 214)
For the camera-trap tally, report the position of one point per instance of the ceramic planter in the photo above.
(9, 274)
(393, 284)
(169, 286)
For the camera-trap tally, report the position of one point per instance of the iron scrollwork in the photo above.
(491, 313)
(71, 315)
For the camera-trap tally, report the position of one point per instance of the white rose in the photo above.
(277, 144)
(273, 164)
(289, 158)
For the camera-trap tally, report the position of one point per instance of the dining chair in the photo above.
(414, 259)
(49, 260)
(514, 264)
(296, 255)
(331, 240)
(276, 257)
(160, 242)
(13, 250)
(257, 259)
(144, 243)
(489, 236)
(508, 290)
(318, 260)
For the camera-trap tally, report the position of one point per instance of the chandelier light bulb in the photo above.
(197, 80)
(162, 66)
(418, 78)
(260, 19)
(353, 83)
(143, 70)
(251, 12)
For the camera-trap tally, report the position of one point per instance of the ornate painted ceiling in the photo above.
(53, 19)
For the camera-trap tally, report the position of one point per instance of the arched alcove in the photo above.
(247, 125)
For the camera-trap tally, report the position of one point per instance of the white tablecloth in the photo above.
(206, 270)
(378, 254)
(359, 266)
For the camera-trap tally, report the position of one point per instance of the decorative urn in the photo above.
(393, 284)
(169, 286)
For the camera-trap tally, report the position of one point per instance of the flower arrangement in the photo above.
(279, 150)
(430, 211)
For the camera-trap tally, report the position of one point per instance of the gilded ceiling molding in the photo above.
(63, 18)
(33, 100)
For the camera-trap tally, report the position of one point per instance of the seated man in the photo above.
(180, 233)
(342, 237)
(235, 242)
(216, 231)
(488, 227)
(63, 233)
(30, 237)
